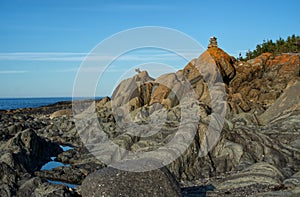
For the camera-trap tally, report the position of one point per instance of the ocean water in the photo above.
(16, 103)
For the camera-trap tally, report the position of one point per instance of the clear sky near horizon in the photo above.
(43, 42)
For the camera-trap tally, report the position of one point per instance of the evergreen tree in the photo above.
(290, 45)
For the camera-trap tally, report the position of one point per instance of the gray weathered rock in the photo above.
(113, 182)
(285, 105)
(259, 173)
(29, 150)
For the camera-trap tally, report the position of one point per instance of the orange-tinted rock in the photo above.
(262, 59)
(63, 112)
(138, 86)
(224, 62)
(145, 92)
(102, 102)
(254, 85)
(260, 81)
(207, 64)
(135, 103)
(192, 71)
(290, 66)
(160, 93)
(167, 89)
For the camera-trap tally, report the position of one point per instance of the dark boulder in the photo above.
(113, 182)
(30, 151)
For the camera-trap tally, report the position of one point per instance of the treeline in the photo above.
(290, 45)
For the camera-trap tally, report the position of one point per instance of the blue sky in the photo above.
(44, 41)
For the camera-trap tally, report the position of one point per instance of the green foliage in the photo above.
(290, 45)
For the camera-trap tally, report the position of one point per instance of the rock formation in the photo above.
(256, 152)
(114, 182)
(254, 97)
(29, 151)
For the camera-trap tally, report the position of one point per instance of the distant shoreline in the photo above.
(2, 98)
(25, 103)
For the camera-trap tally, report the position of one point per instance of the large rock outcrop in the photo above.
(213, 75)
(259, 82)
(135, 91)
(285, 105)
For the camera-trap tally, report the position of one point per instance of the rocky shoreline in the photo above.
(257, 152)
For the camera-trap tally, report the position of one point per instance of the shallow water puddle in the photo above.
(63, 183)
(54, 164)
(65, 148)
